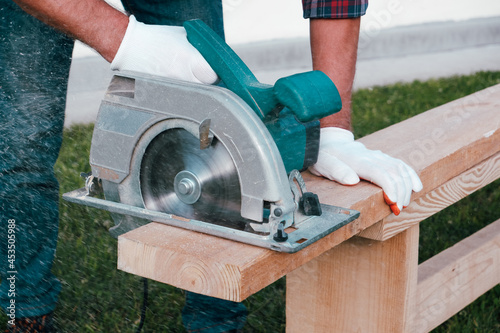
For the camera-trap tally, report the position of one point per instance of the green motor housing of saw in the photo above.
(290, 109)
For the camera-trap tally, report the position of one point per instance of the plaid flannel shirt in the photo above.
(334, 8)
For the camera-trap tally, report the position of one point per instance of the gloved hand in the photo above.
(344, 160)
(161, 50)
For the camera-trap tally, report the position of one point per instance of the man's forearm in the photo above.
(334, 46)
(93, 22)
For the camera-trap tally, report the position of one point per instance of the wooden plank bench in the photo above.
(364, 277)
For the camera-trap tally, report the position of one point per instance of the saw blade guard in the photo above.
(138, 108)
(294, 104)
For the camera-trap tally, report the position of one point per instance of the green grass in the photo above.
(96, 297)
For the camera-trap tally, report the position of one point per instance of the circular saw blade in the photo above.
(179, 178)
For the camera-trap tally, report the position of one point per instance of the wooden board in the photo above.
(207, 264)
(360, 286)
(457, 276)
(438, 199)
(440, 144)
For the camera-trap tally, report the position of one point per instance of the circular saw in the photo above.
(219, 159)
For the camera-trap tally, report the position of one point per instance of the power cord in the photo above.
(144, 304)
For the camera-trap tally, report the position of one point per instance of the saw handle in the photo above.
(310, 96)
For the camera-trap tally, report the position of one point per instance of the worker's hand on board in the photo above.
(161, 50)
(345, 160)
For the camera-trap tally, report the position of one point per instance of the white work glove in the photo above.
(161, 50)
(344, 160)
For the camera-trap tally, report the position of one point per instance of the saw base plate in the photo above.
(300, 235)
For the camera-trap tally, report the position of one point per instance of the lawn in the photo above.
(96, 297)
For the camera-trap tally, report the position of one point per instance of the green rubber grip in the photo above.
(310, 96)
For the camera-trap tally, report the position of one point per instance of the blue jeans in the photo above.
(34, 67)
(201, 313)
